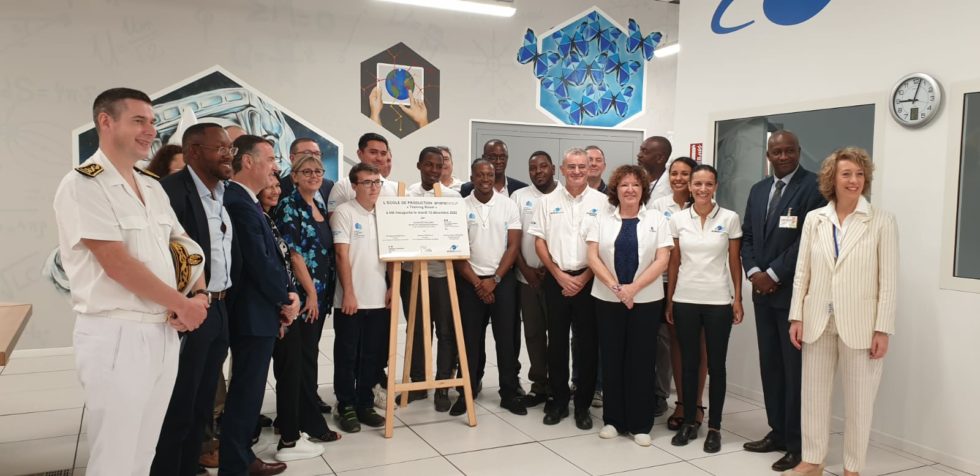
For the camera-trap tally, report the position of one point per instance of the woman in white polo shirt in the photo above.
(628, 251)
(705, 267)
(679, 174)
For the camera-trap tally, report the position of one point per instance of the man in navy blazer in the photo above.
(495, 151)
(264, 297)
(196, 196)
(771, 231)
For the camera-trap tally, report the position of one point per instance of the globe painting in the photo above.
(399, 83)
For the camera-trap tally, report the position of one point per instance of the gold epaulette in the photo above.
(147, 173)
(90, 170)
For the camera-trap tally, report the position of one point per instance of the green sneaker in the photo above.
(347, 418)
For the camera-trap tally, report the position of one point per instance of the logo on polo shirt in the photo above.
(593, 212)
(667, 213)
(556, 211)
(358, 230)
(718, 229)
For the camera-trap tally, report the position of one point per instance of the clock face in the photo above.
(916, 100)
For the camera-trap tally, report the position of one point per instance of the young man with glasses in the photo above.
(361, 297)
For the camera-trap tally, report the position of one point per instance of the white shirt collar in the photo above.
(203, 191)
(255, 197)
(786, 179)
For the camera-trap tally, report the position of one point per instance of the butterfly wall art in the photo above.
(589, 71)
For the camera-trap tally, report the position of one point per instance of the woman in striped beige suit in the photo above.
(843, 307)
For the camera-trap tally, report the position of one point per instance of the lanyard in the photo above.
(836, 246)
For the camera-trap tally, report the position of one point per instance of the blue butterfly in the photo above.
(622, 69)
(573, 69)
(636, 39)
(557, 85)
(572, 42)
(578, 110)
(605, 38)
(596, 69)
(529, 52)
(619, 101)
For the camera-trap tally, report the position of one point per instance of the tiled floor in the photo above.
(41, 429)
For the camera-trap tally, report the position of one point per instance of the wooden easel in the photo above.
(420, 275)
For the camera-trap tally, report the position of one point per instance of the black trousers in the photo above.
(535, 318)
(441, 312)
(296, 408)
(503, 319)
(202, 352)
(250, 357)
(716, 323)
(577, 311)
(310, 334)
(359, 353)
(628, 363)
(781, 366)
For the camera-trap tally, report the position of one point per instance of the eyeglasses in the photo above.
(221, 149)
(370, 183)
(311, 172)
(315, 153)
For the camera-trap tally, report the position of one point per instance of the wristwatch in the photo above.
(496, 279)
(201, 291)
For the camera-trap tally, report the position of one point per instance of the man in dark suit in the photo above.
(196, 195)
(263, 298)
(495, 151)
(771, 231)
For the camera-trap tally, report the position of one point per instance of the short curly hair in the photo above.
(622, 172)
(827, 178)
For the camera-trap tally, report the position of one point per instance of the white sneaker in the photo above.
(380, 397)
(608, 432)
(643, 439)
(303, 449)
(597, 399)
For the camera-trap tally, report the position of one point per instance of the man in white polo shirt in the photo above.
(360, 320)
(372, 148)
(560, 245)
(115, 225)
(430, 171)
(487, 286)
(531, 273)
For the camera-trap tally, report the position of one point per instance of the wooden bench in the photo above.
(13, 320)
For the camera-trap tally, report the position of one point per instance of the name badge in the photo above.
(787, 221)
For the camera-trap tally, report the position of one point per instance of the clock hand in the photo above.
(916, 94)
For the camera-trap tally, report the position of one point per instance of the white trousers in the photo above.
(127, 370)
(860, 376)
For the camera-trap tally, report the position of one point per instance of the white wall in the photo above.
(305, 54)
(861, 49)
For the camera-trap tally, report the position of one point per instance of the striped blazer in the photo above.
(859, 285)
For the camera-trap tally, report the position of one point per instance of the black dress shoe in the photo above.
(765, 445)
(324, 408)
(534, 399)
(688, 432)
(583, 420)
(514, 404)
(553, 415)
(787, 462)
(459, 407)
(712, 442)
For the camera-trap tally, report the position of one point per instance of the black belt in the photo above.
(576, 272)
